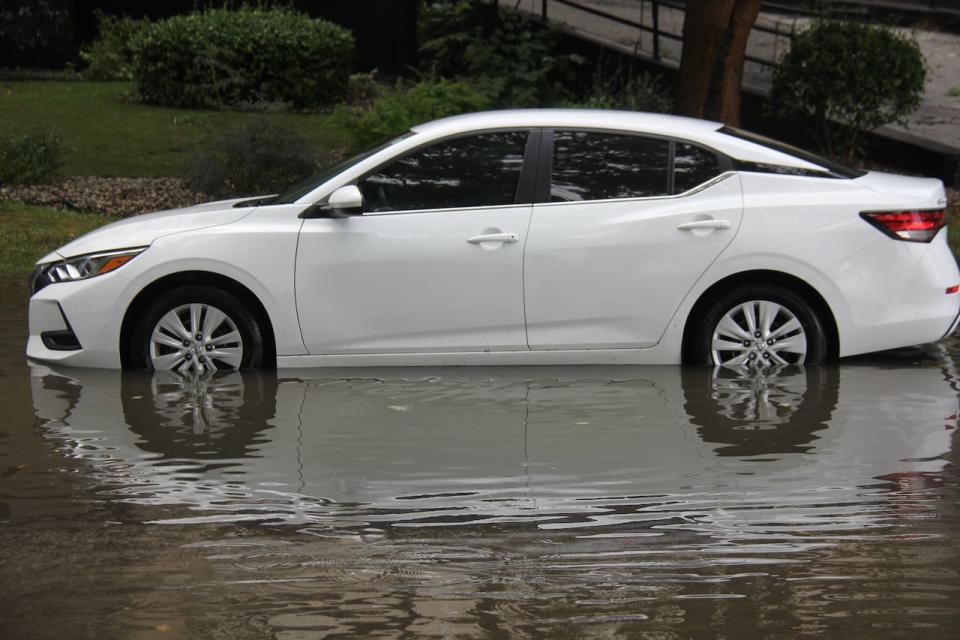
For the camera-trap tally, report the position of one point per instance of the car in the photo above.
(548, 237)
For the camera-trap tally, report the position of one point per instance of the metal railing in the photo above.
(657, 33)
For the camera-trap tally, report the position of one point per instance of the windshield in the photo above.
(301, 189)
(835, 168)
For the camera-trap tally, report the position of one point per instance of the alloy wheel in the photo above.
(758, 333)
(195, 338)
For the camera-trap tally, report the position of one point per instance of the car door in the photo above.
(631, 223)
(434, 264)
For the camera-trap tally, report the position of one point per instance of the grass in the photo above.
(27, 233)
(109, 134)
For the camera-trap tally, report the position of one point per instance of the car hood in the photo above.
(142, 230)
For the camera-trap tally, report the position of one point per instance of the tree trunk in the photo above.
(715, 36)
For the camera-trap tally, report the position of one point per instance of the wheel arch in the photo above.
(183, 278)
(762, 277)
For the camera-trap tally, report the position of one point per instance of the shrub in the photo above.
(28, 158)
(34, 33)
(255, 158)
(398, 109)
(511, 59)
(111, 55)
(641, 92)
(223, 58)
(848, 78)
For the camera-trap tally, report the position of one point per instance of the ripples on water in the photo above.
(578, 502)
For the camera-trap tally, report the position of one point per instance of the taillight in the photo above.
(913, 226)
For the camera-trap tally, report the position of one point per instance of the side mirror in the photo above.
(345, 201)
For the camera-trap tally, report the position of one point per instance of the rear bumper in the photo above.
(901, 299)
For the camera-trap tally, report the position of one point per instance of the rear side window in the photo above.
(474, 171)
(602, 166)
(692, 166)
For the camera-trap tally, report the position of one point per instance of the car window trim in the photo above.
(545, 174)
(703, 186)
(527, 157)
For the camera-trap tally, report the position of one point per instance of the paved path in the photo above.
(936, 124)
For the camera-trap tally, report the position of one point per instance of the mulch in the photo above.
(111, 196)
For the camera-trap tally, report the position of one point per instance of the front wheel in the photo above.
(760, 326)
(198, 329)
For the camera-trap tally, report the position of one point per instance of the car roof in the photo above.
(705, 132)
(590, 118)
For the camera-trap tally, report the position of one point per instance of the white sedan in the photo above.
(519, 237)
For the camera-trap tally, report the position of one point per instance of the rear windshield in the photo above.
(834, 169)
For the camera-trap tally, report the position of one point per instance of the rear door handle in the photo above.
(506, 238)
(704, 224)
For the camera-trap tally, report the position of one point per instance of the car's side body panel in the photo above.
(609, 274)
(95, 307)
(413, 282)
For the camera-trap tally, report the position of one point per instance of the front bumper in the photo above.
(78, 323)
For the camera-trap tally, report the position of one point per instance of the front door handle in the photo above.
(704, 224)
(506, 238)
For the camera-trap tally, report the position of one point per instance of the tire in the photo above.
(795, 330)
(236, 340)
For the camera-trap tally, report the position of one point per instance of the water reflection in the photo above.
(582, 502)
(714, 452)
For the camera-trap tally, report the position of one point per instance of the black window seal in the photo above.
(544, 166)
(527, 184)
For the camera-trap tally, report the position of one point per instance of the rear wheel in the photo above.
(198, 329)
(760, 326)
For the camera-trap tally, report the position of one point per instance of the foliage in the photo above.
(31, 28)
(635, 92)
(30, 157)
(220, 58)
(28, 232)
(848, 78)
(108, 135)
(111, 55)
(398, 109)
(511, 59)
(954, 92)
(256, 158)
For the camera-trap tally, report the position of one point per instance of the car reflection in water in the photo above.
(715, 451)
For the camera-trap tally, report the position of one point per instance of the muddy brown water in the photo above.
(655, 502)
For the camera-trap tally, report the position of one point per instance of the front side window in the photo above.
(602, 166)
(474, 171)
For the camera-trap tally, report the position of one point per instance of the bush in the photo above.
(223, 58)
(848, 78)
(256, 158)
(641, 92)
(111, 55)
(509, 58)
(34, 33)
(398, 109)
(28, 158)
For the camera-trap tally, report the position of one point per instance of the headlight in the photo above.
(81, 267)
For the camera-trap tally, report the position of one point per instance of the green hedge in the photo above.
(221, 58)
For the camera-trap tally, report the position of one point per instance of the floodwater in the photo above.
(656, 502)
